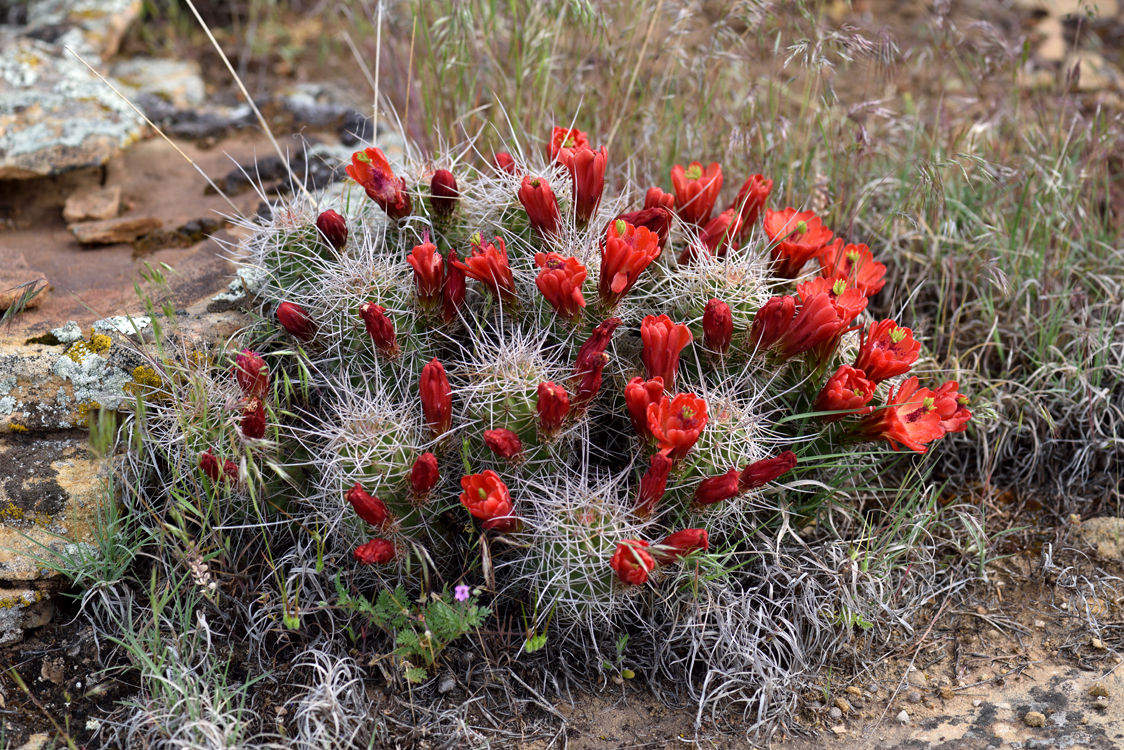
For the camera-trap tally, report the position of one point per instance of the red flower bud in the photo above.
(424, 475)
(638, 394)
(541, 205)
(716, 489)
(429, 273)
(231, 472)
(587, 170)
(295, 320)
(751, 199)
(589, 382)
(504, 162)
(487, 498)
(380, 329)
(632, 562)
(590, 353)
(453, 293)
(760, 473)
(210, 466)
(503, 443)
(375, 552)
(847, 392)
(560, 282)
(772, 321)
(251, 374)
(368, 507)
(663, 341)
(677, 423)
(696, 190)
(443, 194)
(653, 485)
(657, 198)
(553, 405)
(718, 326)
(333, 228)
(680, 544)
(371, 170)
(436, 398)
(717, 236)
(253, 420)
(817, 322)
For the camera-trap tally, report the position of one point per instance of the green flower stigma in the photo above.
(483, 495)
(839, 287)
(694, 172)
(622, 226)
(801, 227)
(897, 335)
(928, 403)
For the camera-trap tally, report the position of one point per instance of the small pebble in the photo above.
(1039, 624)
(1100, 704)
(1097, 644)
(835, 713)
(903, 717)
(447, 683)
(1034, 719)
(914, 696)
(1098, 690)
(842, 705)
(946, 692)
(981, 610)
(915, 678)
(1065, 605)
(853, 690)
(817, 704)
(977, 703)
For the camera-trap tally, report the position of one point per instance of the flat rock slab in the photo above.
(18, 281)
(114, 231)
(93, 205)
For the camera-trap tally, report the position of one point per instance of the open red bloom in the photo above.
(653, 485)
(429, 273)
(718, 326)
(816, 321)
(487, 498)
(372, 171)
(503, 443)
(560, 282)
(638, 394)
(719, 234)
(632, 563)
(855, 264)
(553, 406)
(443, 193)
(380, 329)
(848, 302)
(760, 473)
(561, 138)
(910, 417)
(253, 420)
(887, 351)
(375, 552)
(333, 228)
(677, 423)
(252, 374)
(504, 162)
(587, 169)
(953, 407)
(751, 199)
(541, 205)
(772, 322)
(716, 489)
(657, 198)
(436, 397)
(368, 507)
(627, 252)
(589, 355)
(488, 265)
(295, 320)
(696, 190)
(656, 220)
(797, 237)
(453, 292)
(847, 392)
(424, 475)
(680, 544)
(663, 341)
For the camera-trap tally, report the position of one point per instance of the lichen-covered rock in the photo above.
(23, 608)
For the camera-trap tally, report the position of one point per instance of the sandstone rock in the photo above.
(23, 608)
(1105, 535)
(97, 205)
(1034, 719)
(113, 231)
(1096, 72)
(916, 678)
(1098, 690)
(15, 275)
(903, 717)
(178, 82)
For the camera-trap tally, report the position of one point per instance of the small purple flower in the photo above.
(461, 593)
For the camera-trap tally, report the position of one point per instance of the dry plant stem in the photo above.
(635, 73)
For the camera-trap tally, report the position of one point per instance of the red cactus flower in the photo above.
(552, 407)
(368, 507)
(717, 236)
(295, 320)
(680, 544)
(663, 341)
(504, 443)
(632, 562)
(443, 193)
(375, 552)
(751, 199)
(797, 237)
(855, 264)
(910, 417)
(380, 329)
(638, 394)
(504, 163)
(252, 374)
(230, 471)
(488, 265)
(760, 473)
(560, 282)
(772, 322)
(424, 475)
(718, 326)
(953, 407)
(887, 351)
(429, 273)
(656, 220)
(587, 169)
(696, 190)
(372, 171)
(541, 205)
(561, 138)
(253, 420)
(589, 382)
(847, 392)
(209, 465)
(627, 252)
(677, 423)
(848, 301)
(716, 489)
(590, 352)
(333, 228)
(653, 485)
(436, 398)
(453, 292)
(657, 198)
(487, 498)
(816, 322)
